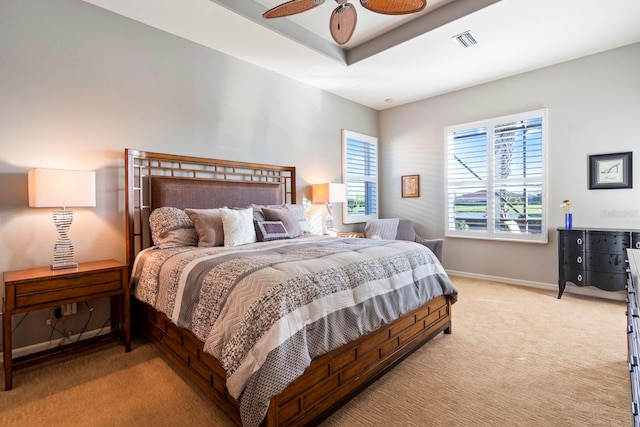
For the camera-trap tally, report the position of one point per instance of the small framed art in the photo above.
(610, 171)
(411, 186)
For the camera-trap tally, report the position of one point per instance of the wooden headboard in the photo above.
(154, 179)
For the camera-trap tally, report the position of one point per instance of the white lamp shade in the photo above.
(61, 188)
(328, 193)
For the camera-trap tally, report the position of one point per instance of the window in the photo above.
(360, 176)
(496, 178)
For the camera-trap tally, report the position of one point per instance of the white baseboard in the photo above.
(35, 348)
(569, 289)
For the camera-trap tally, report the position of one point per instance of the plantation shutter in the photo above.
(496, 178)
(361, 177)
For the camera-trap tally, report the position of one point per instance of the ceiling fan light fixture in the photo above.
(394, 7)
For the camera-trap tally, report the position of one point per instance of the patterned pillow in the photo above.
(267, 231)
(298, 212)
(237, 226)
(286, 217)
(208, 225)
(171, 227)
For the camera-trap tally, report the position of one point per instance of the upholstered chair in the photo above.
(401, 229)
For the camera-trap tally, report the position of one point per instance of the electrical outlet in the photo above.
(69, 309)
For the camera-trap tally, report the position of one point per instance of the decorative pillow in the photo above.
(385, 229)
(171, 227)
(238, 227)
(257, 211)
(286, 217)
(270, 230)
(298, 212)
(208, 224)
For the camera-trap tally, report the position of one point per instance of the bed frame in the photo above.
(153, 180)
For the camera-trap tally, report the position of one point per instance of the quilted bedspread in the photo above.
(265, 310)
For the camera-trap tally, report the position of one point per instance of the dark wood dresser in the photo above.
(633, 334)
(594, 257)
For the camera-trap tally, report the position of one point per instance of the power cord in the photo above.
(84, 328)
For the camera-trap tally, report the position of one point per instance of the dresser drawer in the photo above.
(607, 281)
(606, 262)
(573, 260)
(607, 241)
(577, 277)
(62, 288)
(573, 240)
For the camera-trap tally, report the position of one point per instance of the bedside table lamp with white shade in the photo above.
(328, 193)
(62, 189)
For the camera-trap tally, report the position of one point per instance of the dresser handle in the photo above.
(637, 245)
(579, 260)
(579, 277)
(579, 241)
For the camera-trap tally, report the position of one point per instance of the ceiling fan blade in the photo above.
(394, 7)
(343, 23)
(291, 8)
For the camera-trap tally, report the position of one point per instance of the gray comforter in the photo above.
(265, 310)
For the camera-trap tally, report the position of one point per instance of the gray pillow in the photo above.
(298, 212)
(208, 224)
(286, 217)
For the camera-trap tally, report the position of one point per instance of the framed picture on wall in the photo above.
(610, 171)
(411, 186)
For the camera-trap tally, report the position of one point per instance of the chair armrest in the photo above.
(434, 244)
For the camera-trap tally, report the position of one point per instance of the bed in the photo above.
(331, 315)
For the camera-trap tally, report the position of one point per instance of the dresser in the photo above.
(633, 334)
(594, 257)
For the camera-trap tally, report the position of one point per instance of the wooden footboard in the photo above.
(326, 385)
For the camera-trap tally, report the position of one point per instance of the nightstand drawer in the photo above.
(70, 286)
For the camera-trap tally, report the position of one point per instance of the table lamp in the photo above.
(62, 189)
(328, 193)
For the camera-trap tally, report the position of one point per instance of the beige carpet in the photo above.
(516, 357)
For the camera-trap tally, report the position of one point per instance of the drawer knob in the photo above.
(579, 277)
(579, 260)
(638, 245)
(579, 241)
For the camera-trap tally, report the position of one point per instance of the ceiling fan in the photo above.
(343, 18)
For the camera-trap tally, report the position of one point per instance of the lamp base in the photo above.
(63, 248)
(63, 265)
(329, 227)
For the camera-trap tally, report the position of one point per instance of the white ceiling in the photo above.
(415, 57)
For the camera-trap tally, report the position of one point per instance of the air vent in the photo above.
(465, 39)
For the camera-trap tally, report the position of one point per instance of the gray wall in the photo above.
(593, 108)
(79, 84)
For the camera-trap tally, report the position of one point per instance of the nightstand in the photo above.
(354, 234)
(40, 288)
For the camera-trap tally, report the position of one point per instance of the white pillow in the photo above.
(238, 226)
